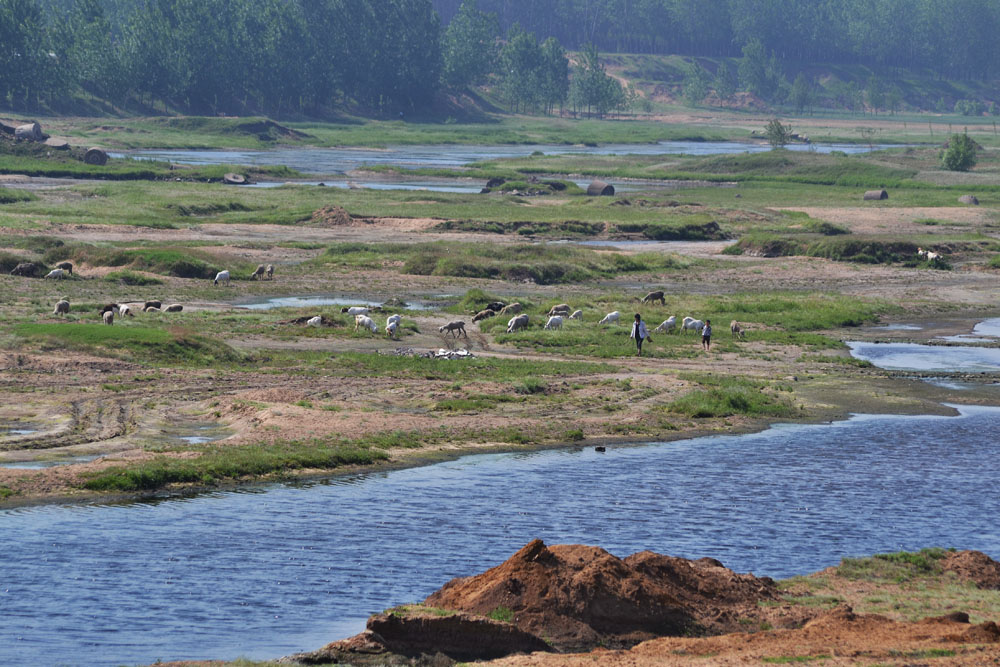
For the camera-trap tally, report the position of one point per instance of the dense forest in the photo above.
(956, 38)
(314, 57)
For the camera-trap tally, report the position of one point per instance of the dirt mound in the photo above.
(429, 637)
(578, 596)
(332, 216)
(267, 130)
(973, 566)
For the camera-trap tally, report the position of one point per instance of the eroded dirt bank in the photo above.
(586, 606)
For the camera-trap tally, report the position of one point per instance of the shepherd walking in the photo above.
(706, 336)
(639, 333)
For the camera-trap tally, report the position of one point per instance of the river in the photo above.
(283, 568)
(328, 161)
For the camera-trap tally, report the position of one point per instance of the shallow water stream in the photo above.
(285, 568)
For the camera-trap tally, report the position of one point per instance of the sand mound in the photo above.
(973, 566)
(578, 596)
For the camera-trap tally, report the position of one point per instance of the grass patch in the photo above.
(6, 492)
(137, 343)
(793, 659)
(542, 264)
(180, 262)
(732, 396)
(897, 567)
(131, 278)
(502, 614)
(476, 369)
(229, 463)
(11, 196)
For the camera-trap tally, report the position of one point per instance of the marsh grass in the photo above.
(138, 343)
(490, 369)
(217, 464)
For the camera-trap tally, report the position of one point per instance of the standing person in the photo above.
(640, 333)
(706, 335)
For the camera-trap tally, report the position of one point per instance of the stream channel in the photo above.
(282, 568)
(331, 161)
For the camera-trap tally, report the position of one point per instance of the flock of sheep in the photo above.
(561, 312)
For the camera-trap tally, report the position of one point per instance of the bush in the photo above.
(960, 154)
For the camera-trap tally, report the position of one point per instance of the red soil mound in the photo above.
(578, 596)
(973, 566)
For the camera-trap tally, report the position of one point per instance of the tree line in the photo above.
(955, 38)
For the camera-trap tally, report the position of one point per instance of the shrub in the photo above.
(960, 154)
(131, 278)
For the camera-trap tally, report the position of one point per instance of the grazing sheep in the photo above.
(555, 322)
(56, 273)
(613, 316)
(667, 324)
(931, 256)
(921, 252)
(150, 309)
(655, 296)
(577, 315)
(174, 308)
(221, 277)
(26, 270)
(258, 273)
(314, 321)
(736, 330)
(517, 322)
(66, 266)
(397, 318)
(561, 309)
(269, 270)
(125, 311)
(366, 322)
(108, 317)
(356, 310)
(109, 306)
(511, 309)
(152, 304)
(692, 324)
(495, 306)
(484, 315)
(456, 329)
(62, 307)
(390, 328)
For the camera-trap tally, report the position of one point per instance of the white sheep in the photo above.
(517, 322)
(921, 252)
(390, 328)
(109, 316)
(931, 256)
(736, 330)
(62, 307)
(314, 321)
(613, 316)
(561, 309)
(667, 324)
(125, 311)
(366, 322)
(577, 315)
(555, 322)
(270, 271)
(56, 273)
(394, 318)
(692, 324)
(356, 310)
(456, 329)
(221, 277)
